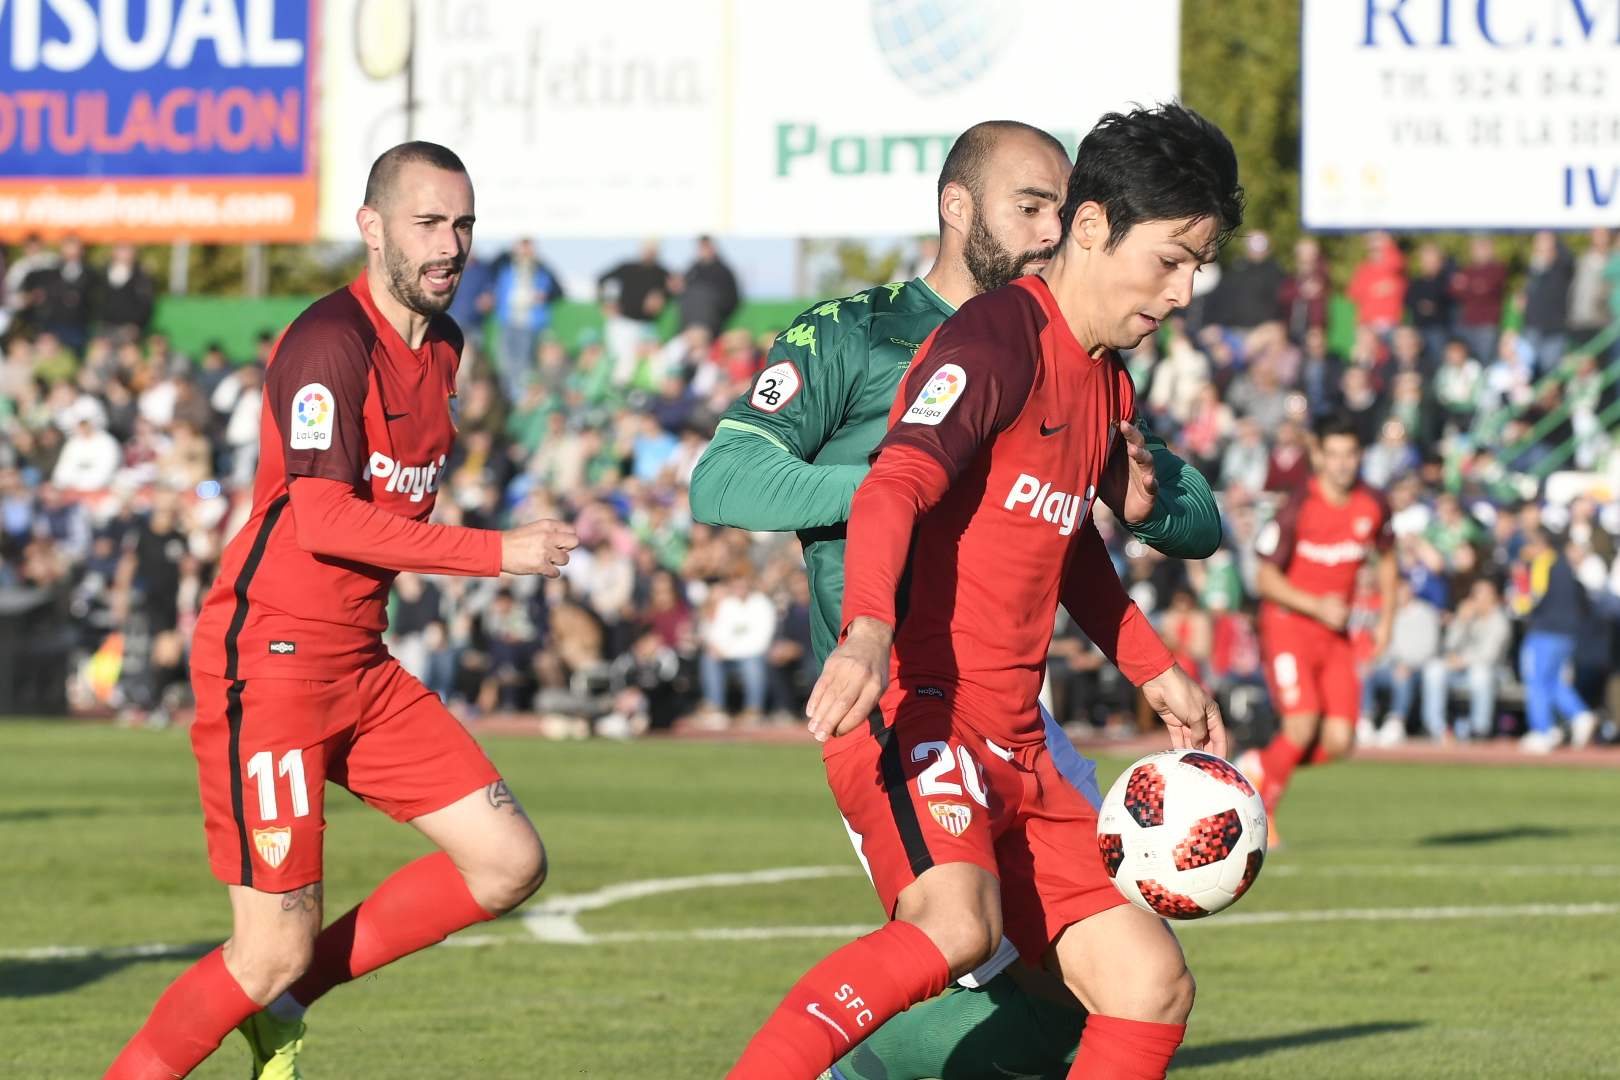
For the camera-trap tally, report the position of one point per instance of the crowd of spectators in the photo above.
(125, 466)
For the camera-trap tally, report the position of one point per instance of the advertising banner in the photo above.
(844, 111)
(155, 119)
(740, 117)
(1491, 114)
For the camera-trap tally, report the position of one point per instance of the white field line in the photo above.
(553, 921)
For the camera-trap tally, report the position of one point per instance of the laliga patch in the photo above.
(312, 412)
(942, 390)
(273, 844)
(775, 387)
(954, 818)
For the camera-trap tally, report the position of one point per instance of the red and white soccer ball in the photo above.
(1183, 834)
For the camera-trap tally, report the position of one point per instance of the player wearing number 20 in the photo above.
(790, 454)
(294, 686)
(971, 528)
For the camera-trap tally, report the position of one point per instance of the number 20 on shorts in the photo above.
(932, 780)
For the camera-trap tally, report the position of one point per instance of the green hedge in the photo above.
(192, 323)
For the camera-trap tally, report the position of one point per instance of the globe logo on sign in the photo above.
(939, 45)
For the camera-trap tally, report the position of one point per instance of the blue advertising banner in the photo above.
(135, 119)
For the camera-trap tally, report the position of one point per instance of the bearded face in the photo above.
(990, 263)
(405, 278)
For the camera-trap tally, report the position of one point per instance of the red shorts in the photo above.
(266, 747)
(1310, 670)
(928, 789)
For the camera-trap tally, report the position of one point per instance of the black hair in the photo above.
(971, 151)
(1337, 423)
(1160, 164)
(380, 182)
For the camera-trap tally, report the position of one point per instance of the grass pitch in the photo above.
(103, 847)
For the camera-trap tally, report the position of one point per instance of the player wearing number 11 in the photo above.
(294, 686)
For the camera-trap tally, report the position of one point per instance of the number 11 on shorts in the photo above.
(292, 767)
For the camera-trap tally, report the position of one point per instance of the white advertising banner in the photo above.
(1457, 114)
(735, 117)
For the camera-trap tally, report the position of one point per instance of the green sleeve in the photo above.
(746, 479)
(758, 473)
(1185, 523)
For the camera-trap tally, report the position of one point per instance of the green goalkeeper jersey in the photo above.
(789, 454)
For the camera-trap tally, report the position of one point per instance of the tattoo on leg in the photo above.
(500, 795)
(307, 899)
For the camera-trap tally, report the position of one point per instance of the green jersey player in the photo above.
(789, 455)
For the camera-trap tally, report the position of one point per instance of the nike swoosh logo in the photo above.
(1051, 431)
(391, 417)
(815, 1010)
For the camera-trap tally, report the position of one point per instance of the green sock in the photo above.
(993, 1033)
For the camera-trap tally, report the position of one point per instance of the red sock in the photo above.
(197, 1010)
(841, 1001)
(1279, 760)
(1116, 1049)
(420, 904)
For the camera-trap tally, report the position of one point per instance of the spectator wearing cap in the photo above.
(1479, 289)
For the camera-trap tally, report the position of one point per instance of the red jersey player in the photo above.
(973, 525)
(1311, 555)
(293, 684)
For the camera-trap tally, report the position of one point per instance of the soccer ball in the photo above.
(1182, 833)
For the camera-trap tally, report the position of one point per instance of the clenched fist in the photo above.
(539, 547)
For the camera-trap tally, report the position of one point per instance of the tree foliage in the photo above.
(1240, 68)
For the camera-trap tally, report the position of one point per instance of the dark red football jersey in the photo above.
(344, 399)
(1320, 546)
(1018, 416)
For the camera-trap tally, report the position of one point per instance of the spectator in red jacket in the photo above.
(1378, 287)
(1303, 295)
(1478, 289)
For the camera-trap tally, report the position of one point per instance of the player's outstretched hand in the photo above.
(1129, 485)
(852, 680)
(1191, 715)
(539, 547)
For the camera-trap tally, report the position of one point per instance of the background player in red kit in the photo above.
(1311, 554)
(294, 686)
(972, 526)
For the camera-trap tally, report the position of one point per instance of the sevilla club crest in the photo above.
(954, 818)
(273, 844)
